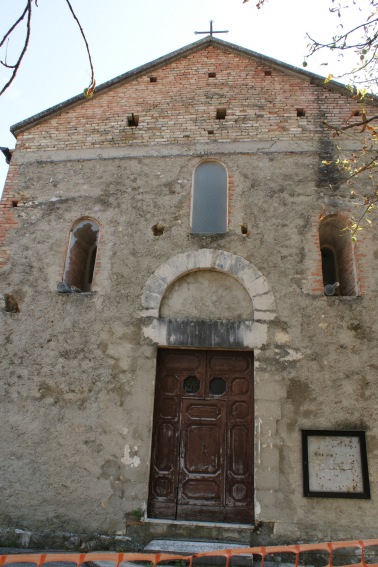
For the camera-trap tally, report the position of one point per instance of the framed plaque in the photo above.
(335, 464)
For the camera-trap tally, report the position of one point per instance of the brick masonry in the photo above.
(181, 107)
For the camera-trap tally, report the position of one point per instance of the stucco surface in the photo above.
(207, 295)
(78, 373)
(78, 370)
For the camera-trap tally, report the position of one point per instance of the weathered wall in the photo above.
(205, 294)
(78, 376)
(266, 105)
(78, 370)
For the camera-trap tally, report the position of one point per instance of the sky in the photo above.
(123, 34)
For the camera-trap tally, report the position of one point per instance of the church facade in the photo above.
(172, 366)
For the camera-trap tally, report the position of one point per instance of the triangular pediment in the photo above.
(171, 58)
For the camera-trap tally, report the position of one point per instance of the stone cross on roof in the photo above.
(211, 30)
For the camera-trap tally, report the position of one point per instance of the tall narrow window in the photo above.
(329, 267)
(81, 256)
(209, 208)
(337, 252)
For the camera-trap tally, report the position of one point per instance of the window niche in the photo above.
(209, 201)
(81, 255)
(337, 252)
(221, 113)
(133, 120)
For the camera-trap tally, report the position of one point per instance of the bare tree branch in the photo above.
(28, 11)
(343, 38)
(89, 91)
(15, 25)
(15, 67)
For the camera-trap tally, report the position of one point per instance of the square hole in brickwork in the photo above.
(268, 73)
(301, 112)
(133, 120)
(221, 113)
(153, 79)
(210, 132)
(212, 75)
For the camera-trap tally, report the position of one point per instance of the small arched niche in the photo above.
(207, 294)
(337, 251)
(81, 255)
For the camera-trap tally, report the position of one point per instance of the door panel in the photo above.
(202, 445)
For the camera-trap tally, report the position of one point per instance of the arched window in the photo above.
(81, 255)
(337, 253)
(209, 207)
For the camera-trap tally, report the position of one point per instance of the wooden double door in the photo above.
(202, 444)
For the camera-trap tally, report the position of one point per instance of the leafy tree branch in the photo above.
(361, 40)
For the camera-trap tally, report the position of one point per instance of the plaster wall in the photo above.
(78, 370)
(206, 294)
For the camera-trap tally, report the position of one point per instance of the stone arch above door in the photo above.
(228, 334)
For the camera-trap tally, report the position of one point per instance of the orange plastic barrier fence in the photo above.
(259, 553)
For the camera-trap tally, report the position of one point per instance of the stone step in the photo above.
(182, 547)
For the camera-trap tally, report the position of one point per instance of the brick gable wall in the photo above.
(181, 107)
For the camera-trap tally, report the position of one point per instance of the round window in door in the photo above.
(217, 386)
(191, 385)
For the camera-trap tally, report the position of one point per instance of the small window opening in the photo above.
(268, 73)
(221, 113)
(191, 385)
(218, 386)
(301, 112)
(153, 79)
(337, 253)
(133, 120)
(212, 75)
(92, 262)
(209, 205)
(15, 203)
(329, 268)
(81, 256)
(210, 132)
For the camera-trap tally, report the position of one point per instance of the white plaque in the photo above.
(335, 464)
